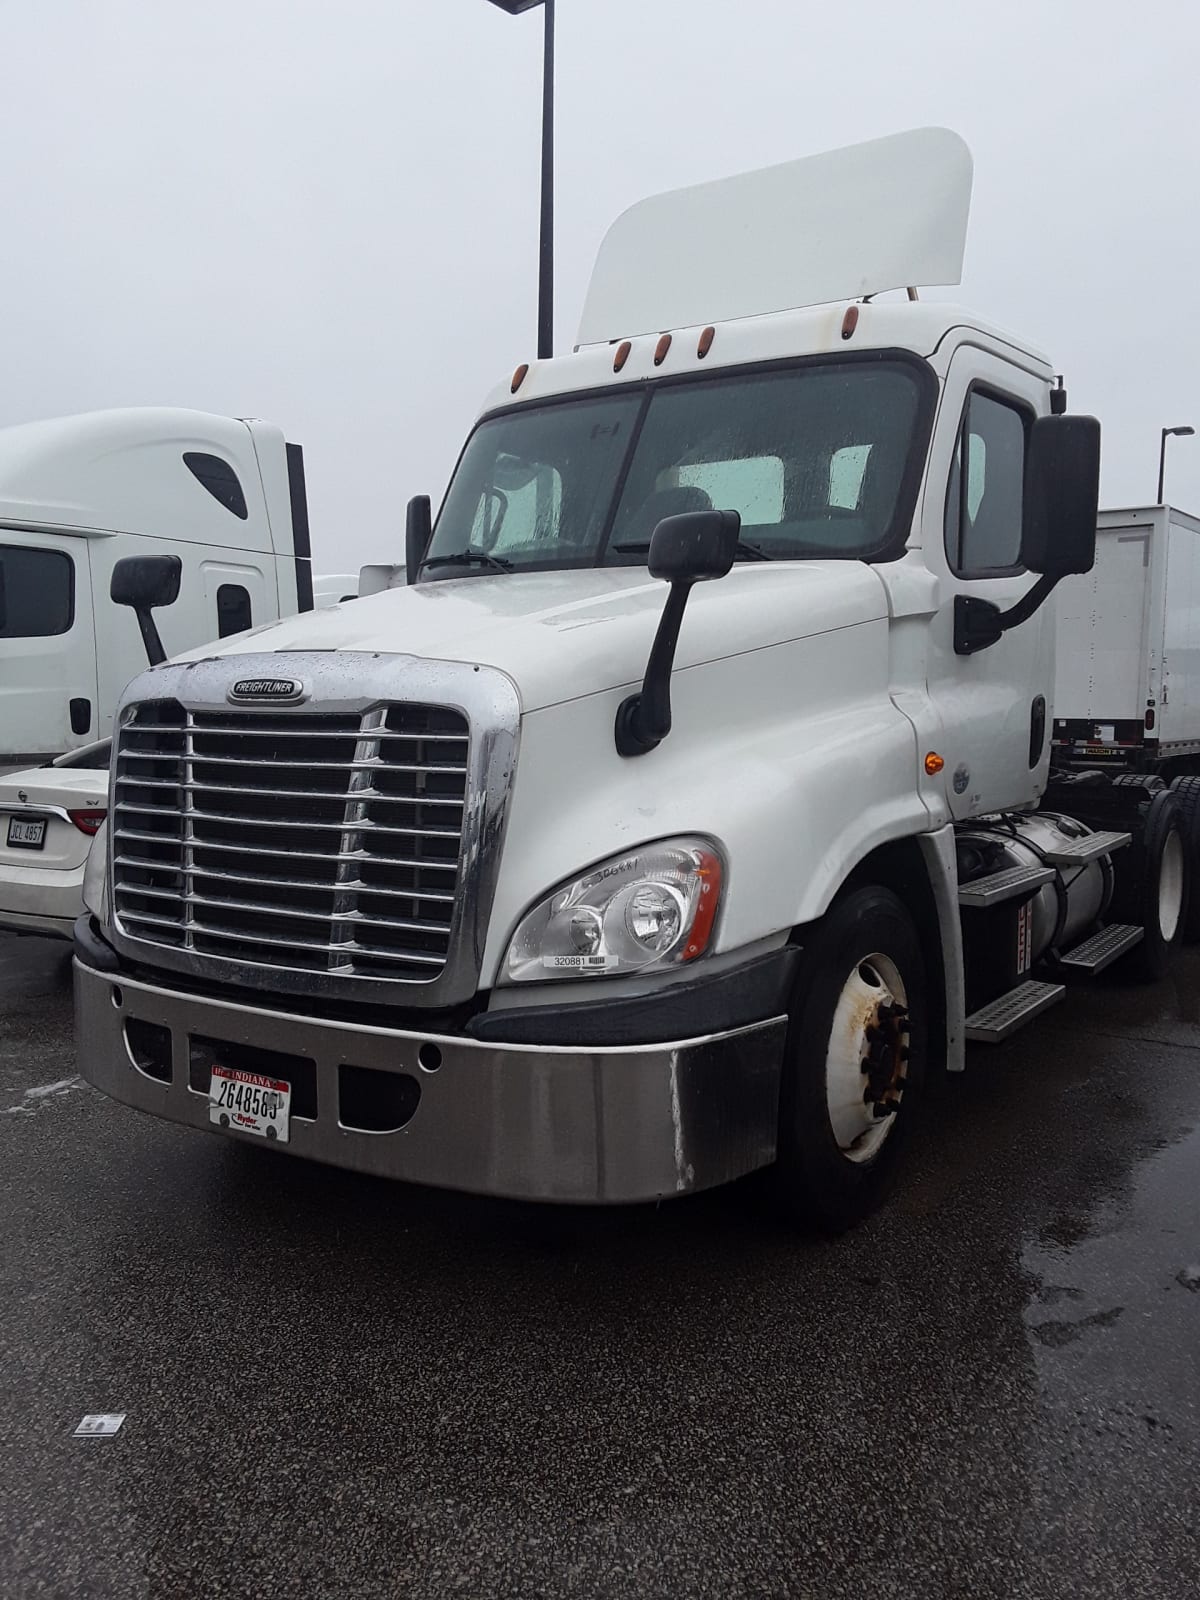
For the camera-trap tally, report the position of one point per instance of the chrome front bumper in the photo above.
(528, 1121)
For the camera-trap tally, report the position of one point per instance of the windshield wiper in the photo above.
(467, 558)
(747, 551)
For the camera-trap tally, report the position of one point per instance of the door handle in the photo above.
(1037, 730)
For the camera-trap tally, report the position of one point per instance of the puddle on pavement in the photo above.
(1114, 1323)
(37, 1096)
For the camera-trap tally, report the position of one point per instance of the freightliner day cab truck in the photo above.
(691, 805)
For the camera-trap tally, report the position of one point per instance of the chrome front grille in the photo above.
(297, 840)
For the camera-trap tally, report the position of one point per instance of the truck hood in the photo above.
(560, 635)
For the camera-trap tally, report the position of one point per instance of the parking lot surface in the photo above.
(337, 1386)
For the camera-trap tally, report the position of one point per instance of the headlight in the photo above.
(95, 876)
(654, 907)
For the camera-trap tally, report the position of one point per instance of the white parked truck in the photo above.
(691, 805)
(77, 495)
(1127, 688)
(1127, 684)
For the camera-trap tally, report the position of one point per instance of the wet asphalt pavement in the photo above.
(339, 1387)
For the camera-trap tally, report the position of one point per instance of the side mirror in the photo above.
(1058, 526)
(1062, 496)
(694, 546)
(418, 526)
(686, 549)
(143, 583)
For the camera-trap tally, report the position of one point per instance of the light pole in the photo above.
(545, 338)
(1183, 433)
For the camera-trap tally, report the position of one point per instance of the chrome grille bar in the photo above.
(350, 948)
(429, 865)
(310, 733)
(262, 822)
(375, 764)
(350, 915)
(296, 794)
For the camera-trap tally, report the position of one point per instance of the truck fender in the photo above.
(923, 872)
(941, 866)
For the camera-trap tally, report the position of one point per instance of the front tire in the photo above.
(855, 1061)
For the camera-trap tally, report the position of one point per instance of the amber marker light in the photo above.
(519, 376)
(708, 870)
(705, 342)
(622, 355)
(933, 763)
(660, 350)
(849, 321)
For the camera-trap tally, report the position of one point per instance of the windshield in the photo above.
(819, 459)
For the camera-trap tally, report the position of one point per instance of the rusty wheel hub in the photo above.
(866, 1057)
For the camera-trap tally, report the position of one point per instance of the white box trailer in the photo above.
(226, 495)
(1127, 685)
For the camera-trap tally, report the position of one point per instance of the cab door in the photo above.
(47, 646)
(235, 598)
(992, 705)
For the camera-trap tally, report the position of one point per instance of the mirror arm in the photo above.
(644, 719)
(150, 635)
(979, 624)
(1031, 602)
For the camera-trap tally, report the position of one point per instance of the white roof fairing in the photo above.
(123, 471)
(882, 215)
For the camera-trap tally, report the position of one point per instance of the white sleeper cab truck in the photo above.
(78, 494)
(691, 806)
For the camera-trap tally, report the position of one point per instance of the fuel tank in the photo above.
(1065, 908)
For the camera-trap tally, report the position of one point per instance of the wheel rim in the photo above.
(1170, 885)
(865, 1057)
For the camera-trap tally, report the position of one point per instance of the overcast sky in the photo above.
(325, 213)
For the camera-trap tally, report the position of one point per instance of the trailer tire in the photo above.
(1187, 791)
(857, 1039)
(1150, 781)
(1152, 881)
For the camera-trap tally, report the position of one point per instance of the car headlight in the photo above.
(95, 876)
(650, 908)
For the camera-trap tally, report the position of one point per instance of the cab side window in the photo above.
(233, 610)
(985, 493)
(37, 592)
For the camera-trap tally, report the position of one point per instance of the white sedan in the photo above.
(48, 818)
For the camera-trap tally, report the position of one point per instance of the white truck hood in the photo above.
(561, 635)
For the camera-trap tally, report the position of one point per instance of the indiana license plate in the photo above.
(248, 1102)
(26, 833)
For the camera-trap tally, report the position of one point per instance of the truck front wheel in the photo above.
(855, 1060)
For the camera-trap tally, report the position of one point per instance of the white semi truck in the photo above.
(690, 806)
(1127, 689)
(78, 494)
